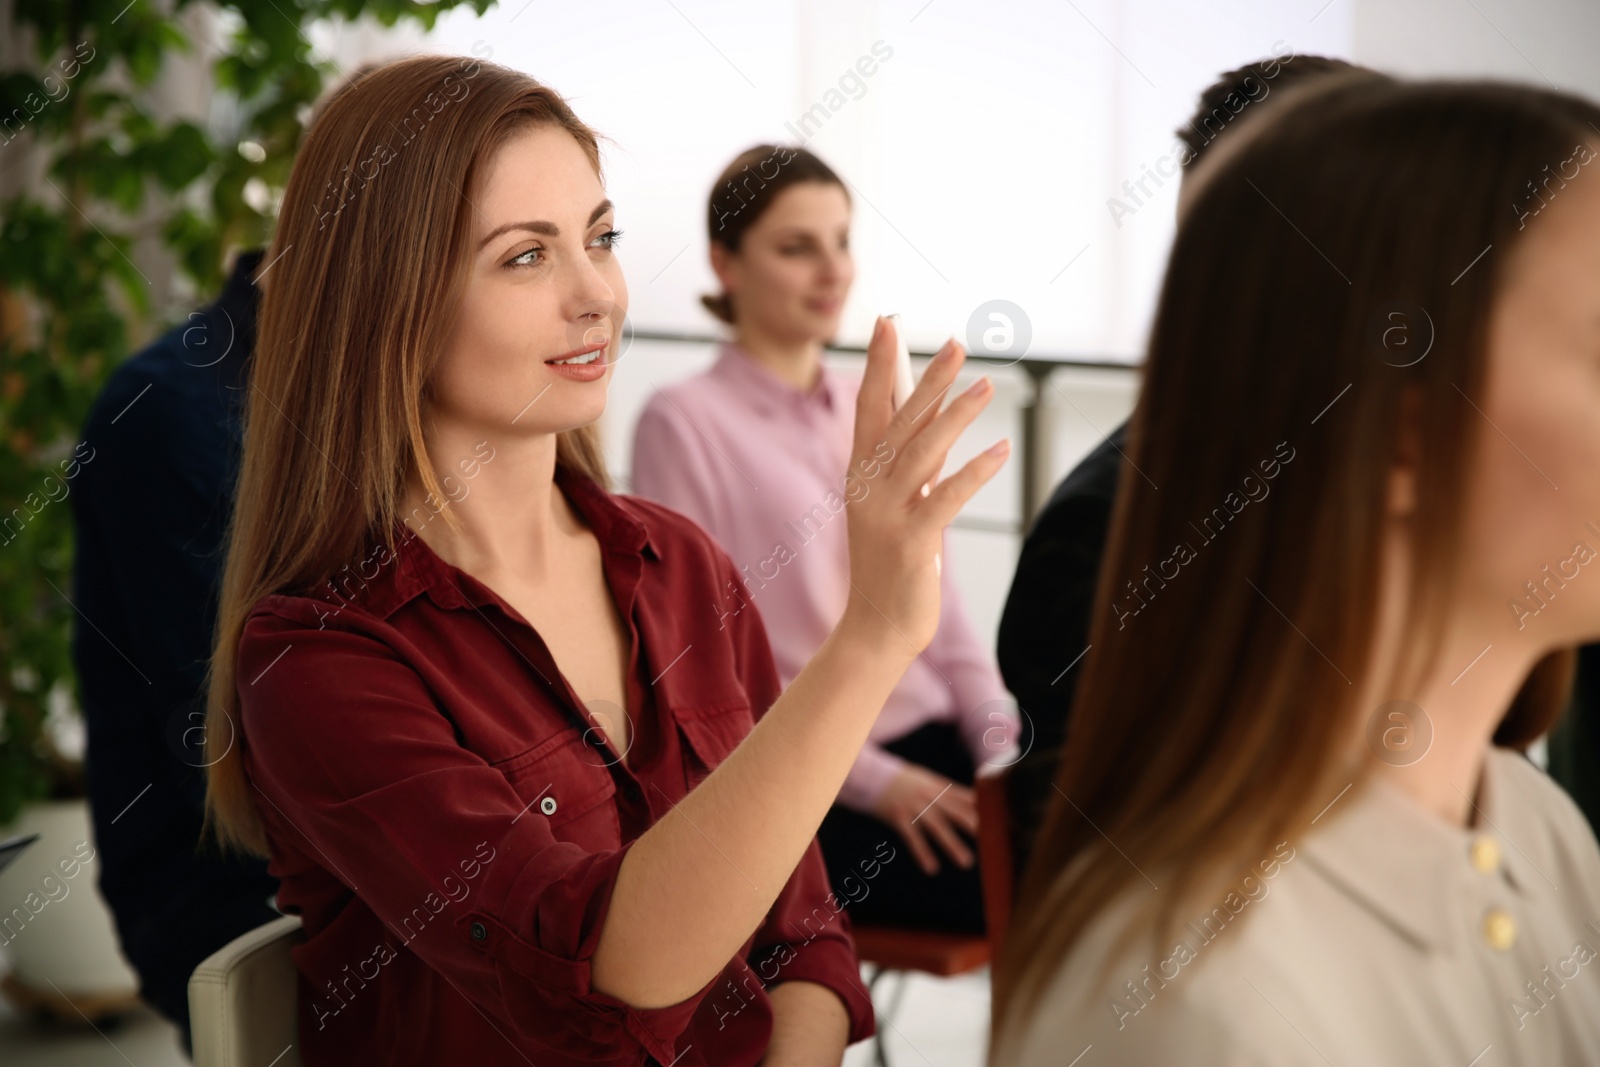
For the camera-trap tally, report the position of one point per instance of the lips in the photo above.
(584, 351)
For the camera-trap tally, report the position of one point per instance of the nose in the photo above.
(837, 265)
(591, 302)
(587, 289)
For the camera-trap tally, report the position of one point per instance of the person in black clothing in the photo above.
(150, 511)
(1045, 624)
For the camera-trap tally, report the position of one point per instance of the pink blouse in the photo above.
(760, 465)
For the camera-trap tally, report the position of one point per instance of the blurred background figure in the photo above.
(150, 514)
(1047, 611)
(755, 450)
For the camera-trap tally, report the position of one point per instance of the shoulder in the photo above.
(1097, 474)
(1545, 816)
(677, 403)
(1083, 499)
(154, 404)
(1135, 1007)
(161, 368)
(679, 537)
(299, 658)
(312, 623)
(845, 380)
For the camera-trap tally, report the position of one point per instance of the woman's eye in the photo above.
(534, 256)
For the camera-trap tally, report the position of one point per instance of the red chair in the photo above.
(891, 948)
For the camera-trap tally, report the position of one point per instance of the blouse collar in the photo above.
(1401, 861)
(766, 392)
(621, 528)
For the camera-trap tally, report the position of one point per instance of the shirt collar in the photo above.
(765, 391)
(415, 568)
(1401, 861)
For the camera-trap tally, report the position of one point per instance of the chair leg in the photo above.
(880, 1052)
(899, 995)
(879, 1058)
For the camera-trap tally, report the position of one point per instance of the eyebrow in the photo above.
(549, 229)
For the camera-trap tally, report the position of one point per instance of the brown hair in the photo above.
(354, 313)
(740, 197)
(1208, 728)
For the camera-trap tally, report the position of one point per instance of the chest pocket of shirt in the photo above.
(710, 733)
(566, 782)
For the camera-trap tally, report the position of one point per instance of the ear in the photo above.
(725, 265)
(1402, 495)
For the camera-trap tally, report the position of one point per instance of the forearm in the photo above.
(695, 885)
(810, 1027)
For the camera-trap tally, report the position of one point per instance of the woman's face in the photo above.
(1535, 513)
(793, 269)
(544, 284)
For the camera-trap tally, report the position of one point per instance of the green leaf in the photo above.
(181, 157)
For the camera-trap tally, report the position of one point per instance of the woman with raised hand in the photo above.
(1294, 824)
(535, 798)
(754, 449)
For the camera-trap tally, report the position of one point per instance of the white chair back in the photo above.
(242, 1000)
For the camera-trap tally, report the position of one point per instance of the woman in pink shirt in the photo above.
(755, 450)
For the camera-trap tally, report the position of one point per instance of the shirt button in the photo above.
(1499, 929)
(548, 805)
(479, 932)
(1485, 855)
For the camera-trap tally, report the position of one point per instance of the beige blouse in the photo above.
(1385, 936)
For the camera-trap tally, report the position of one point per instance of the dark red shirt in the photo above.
(448, 820)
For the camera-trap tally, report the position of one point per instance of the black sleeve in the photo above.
(1043, 630)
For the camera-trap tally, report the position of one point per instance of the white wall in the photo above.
(982, 154)
(1546, 42)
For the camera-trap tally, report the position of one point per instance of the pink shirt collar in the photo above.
(764, 389)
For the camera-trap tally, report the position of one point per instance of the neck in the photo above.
(1462, 718)
(796, 361)
(1462, 698)
(512, 516)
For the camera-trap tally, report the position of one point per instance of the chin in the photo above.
(821, 328)
(575, 415)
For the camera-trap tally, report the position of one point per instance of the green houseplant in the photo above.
(105, 184)
(72, 301)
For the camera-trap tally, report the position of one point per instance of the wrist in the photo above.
(864, 629)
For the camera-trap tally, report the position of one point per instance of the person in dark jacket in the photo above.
(1044, 628)
(150, 510)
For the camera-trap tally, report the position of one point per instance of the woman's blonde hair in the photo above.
(368, 265)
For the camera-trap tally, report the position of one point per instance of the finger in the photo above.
(937, 377)
(922, 456)
(875, 398)
(962, 807)
(945, 502)
(942, 831)
(921, 851)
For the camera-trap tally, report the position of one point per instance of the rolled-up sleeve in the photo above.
(353, 762)
(806, 938)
